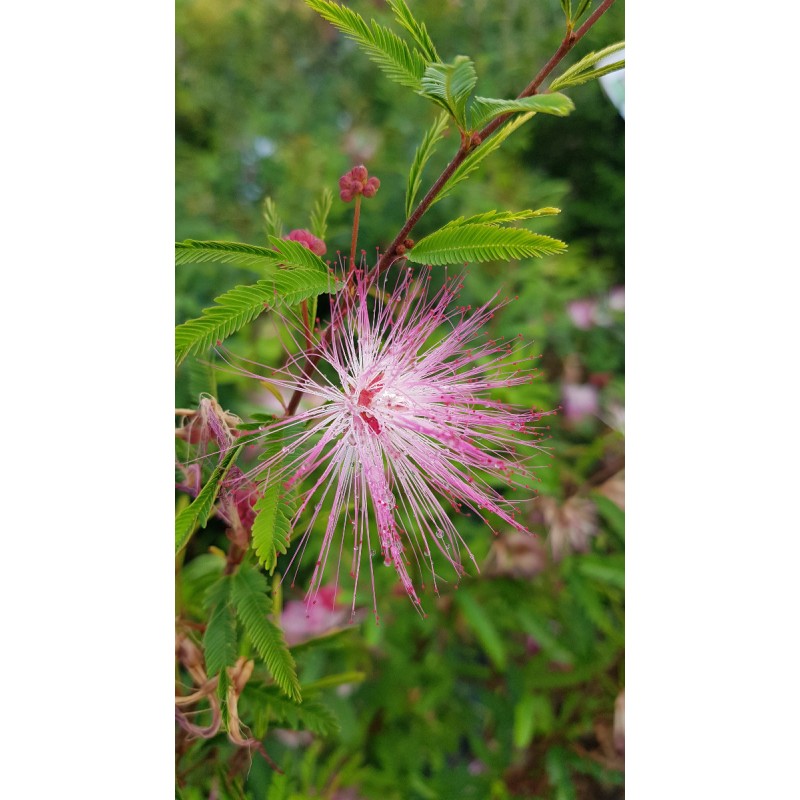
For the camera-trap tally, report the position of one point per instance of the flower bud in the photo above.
(357, 182)
(307, 239)
(371, 187)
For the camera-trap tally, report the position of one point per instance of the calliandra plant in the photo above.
(405, 421)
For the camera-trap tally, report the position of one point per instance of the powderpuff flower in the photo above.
(407, 427)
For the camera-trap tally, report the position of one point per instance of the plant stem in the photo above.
(306, 325)
(354, 239)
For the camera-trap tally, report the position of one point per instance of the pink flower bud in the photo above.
(308, 239)
(372, 186)
(356, 182)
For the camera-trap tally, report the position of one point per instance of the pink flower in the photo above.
(580, 400)
(307, 238)
(582, 313)
(301, 621)
(407, 425)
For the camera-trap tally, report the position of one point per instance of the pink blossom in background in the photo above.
(616, 298)
(301, 621)
(407, 428)
(307, 238)
(579, 400)
(582, 313)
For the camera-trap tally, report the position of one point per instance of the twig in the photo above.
(467, 145)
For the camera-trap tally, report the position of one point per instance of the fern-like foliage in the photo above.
(481, 242)
(500, 217)
(267, 707)
(583, 70)
(484, 109)
(243, 255)
(219, 640)
(242, 304)
(294, 255)
(283, 253)
(421, 157)
(319, 214)
(450, 86)
(419, 33)
(252, 604)
(199, 510)
(476, 156)
(398, 61)
(272, 527)
(273, 225)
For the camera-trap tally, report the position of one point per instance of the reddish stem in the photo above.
(354, 238)
(306, 325)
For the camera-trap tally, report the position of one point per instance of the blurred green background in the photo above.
(512, 686)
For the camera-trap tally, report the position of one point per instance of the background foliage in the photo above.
(508, 688)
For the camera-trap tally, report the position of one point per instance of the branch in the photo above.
(569, 41)
(390, 255)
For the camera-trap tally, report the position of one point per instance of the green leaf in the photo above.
(476, 156)
(285, 253)
(297, 256)
(253, 606)
(499, 217)
(271, 528)
(485, 109)
(524, 721)
(199, 510)
(537, 628)
(243, 304)
(273, 226)
(481, 623)
(335, 680)
(244, 255)
(481, 242)
(583, 70)
(398, 61)
(272, 525)
(606, 569)
(417, 30)
(556, 762)
(319, 214)
(450, 85)
(592, 605)
(219, 639)
(611, 513)
(269, 707)
(532, 714)
(582, 8)
(426, 149)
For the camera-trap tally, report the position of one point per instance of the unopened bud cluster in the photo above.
(356, 182)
